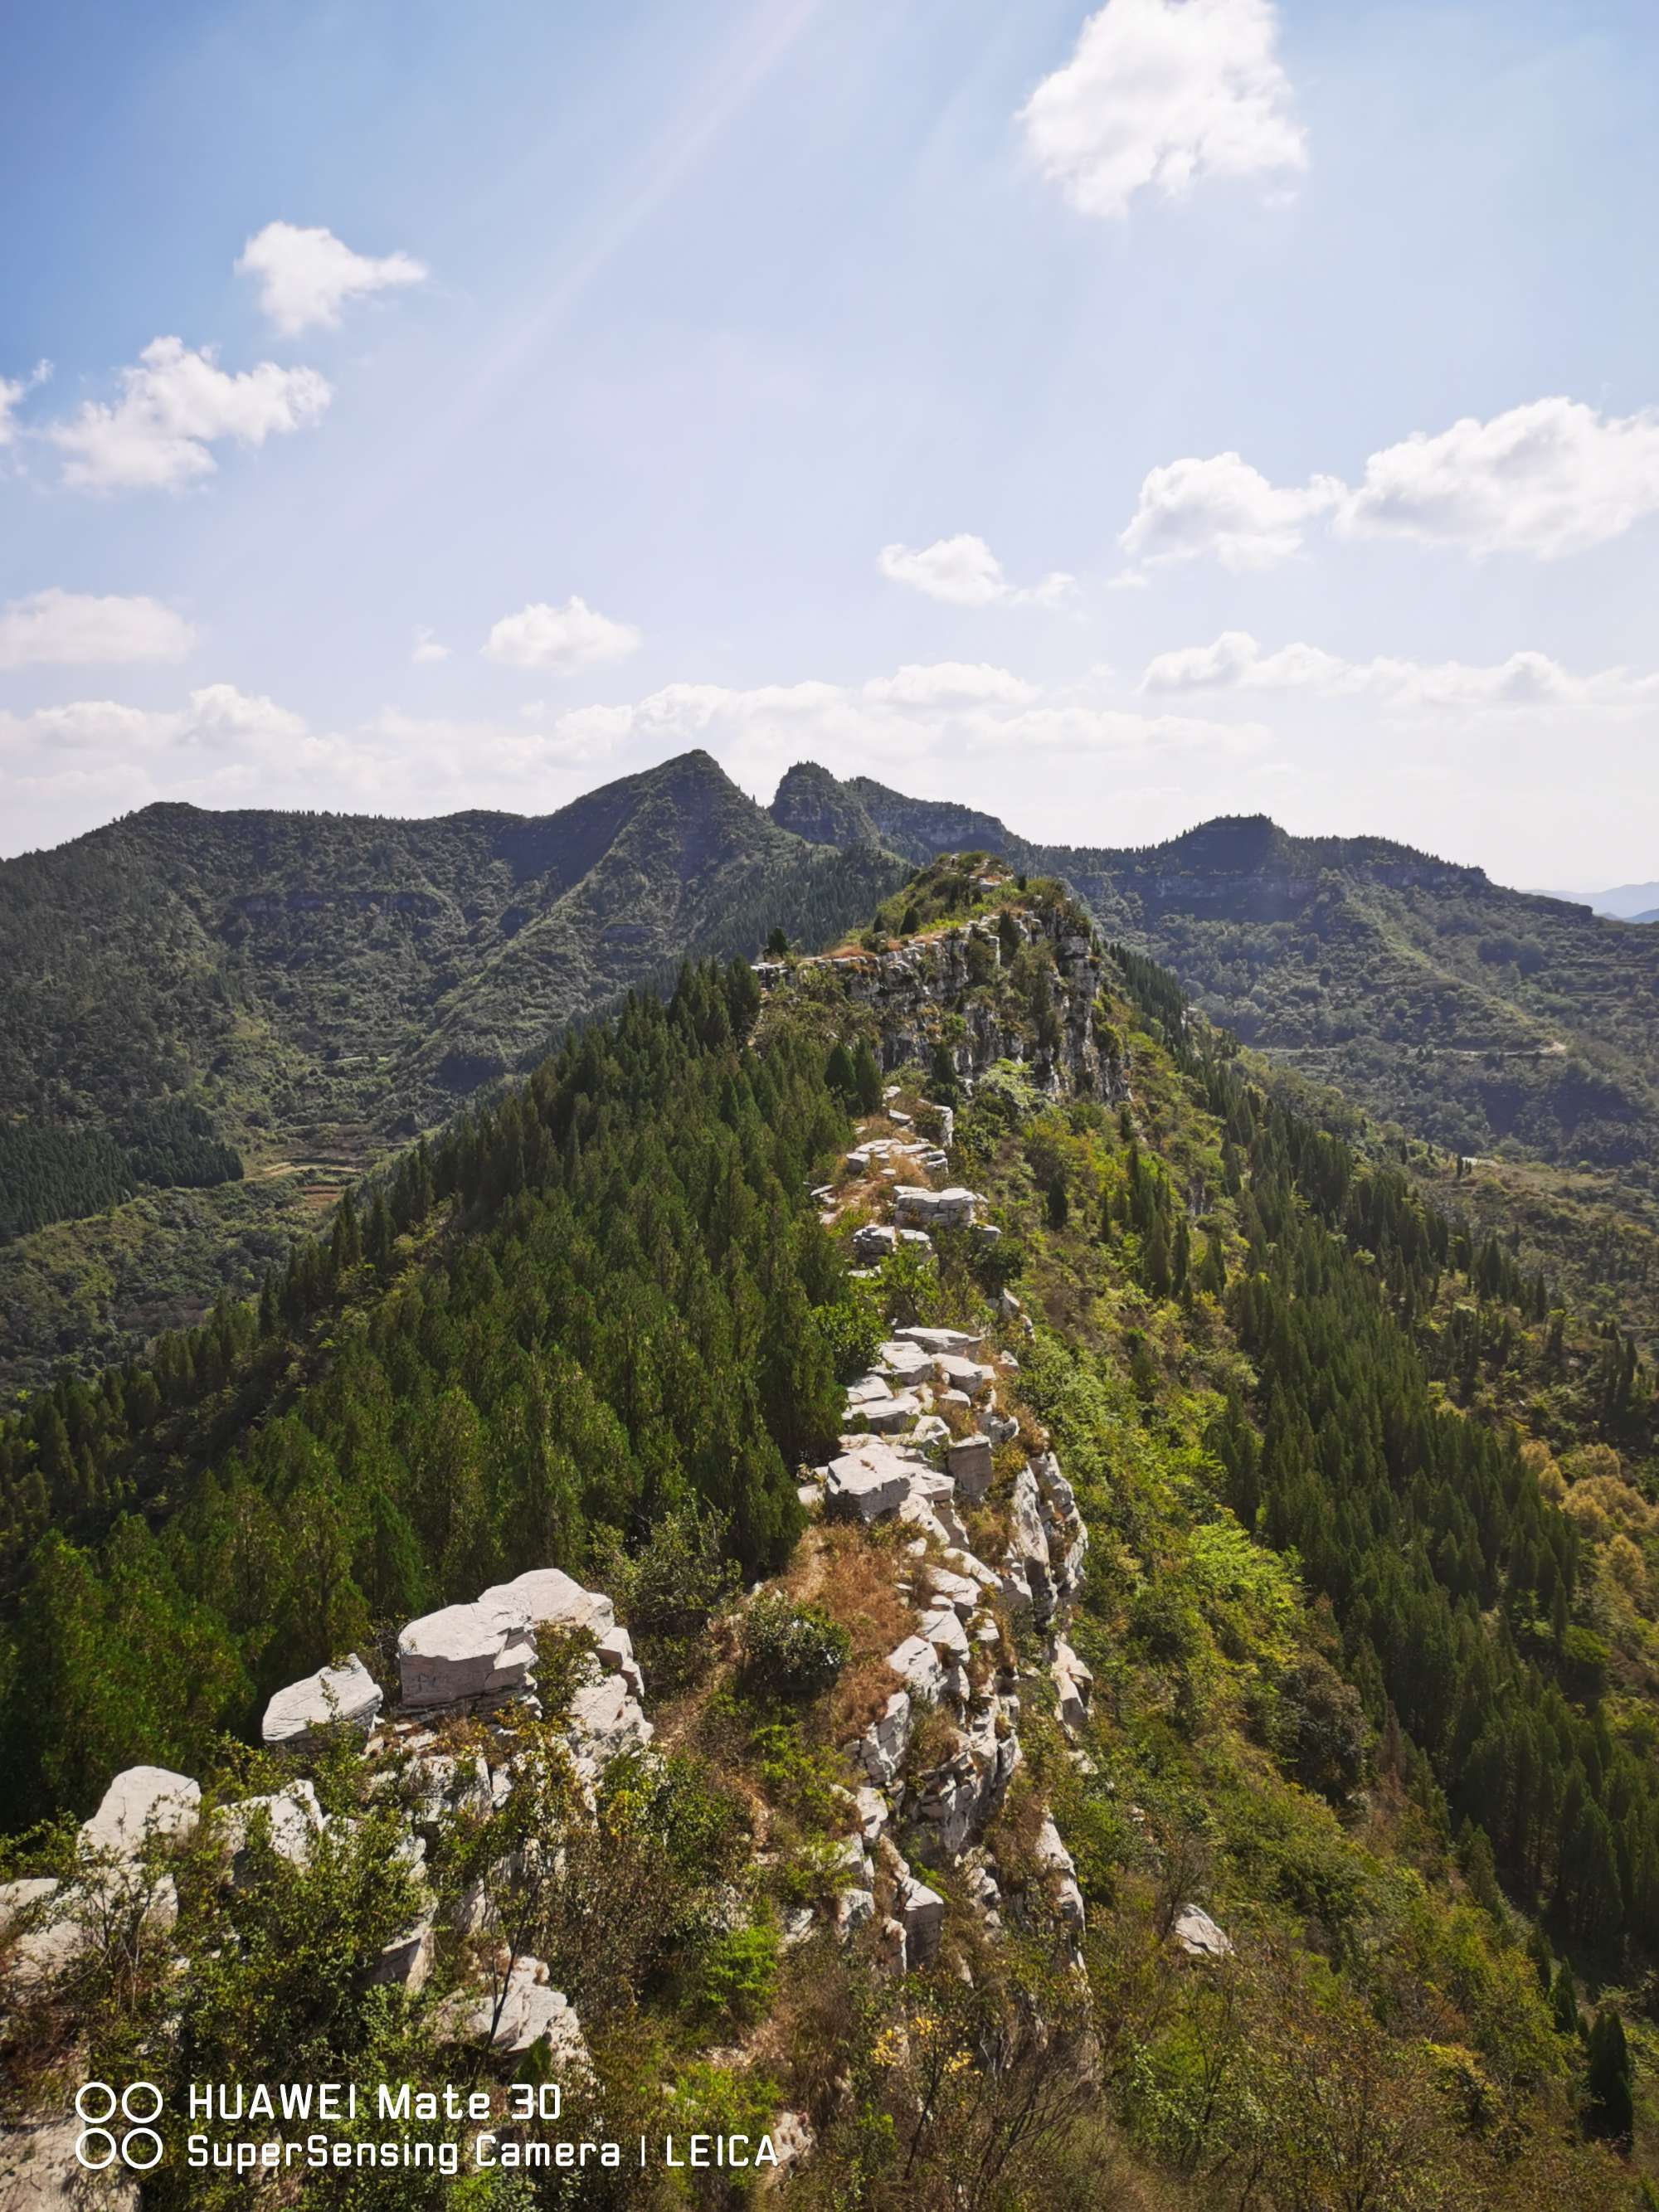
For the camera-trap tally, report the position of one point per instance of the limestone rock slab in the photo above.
(344, 1697)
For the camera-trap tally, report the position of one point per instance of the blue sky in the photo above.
(1113, 417)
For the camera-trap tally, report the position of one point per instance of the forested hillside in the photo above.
(1486, 1021)
(1364, 1657)
(256, 1006)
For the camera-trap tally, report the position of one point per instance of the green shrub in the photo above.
(738, 1973)
(850, 1328)
(792, 1651)
(669, 1590)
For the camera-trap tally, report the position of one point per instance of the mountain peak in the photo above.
(811, 803)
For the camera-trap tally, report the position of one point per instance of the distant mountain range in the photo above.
(1471, 1013)
(301, 992)
(210, 1023)
(1624, 902)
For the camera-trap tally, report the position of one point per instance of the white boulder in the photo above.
(882, 1746)
(1198, 1935)
(968, 1376)
(868, 1481)
(936, 1340)
(463, 1652)
(347, 1697)
(917, 1666)
(605, 1721)
(142, 1802)
(512, 2018)
(296, 1821)
(405, 1963)
(920, 1912)
(1060, 1869)
(905, 1362)
(548, 1597)
(1073, 1685)
(969, 1461)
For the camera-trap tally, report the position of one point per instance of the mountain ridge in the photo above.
(314, 990)
(1504, 1014)
(1147, 1671)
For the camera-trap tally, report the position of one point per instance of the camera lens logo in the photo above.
(98, 2144)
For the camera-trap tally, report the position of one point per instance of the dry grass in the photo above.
(852, 1578)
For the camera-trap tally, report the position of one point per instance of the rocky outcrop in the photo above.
(405, 1963)
(40, 2172)
(45, 1924)
(908, 1459)
(465, 1654)
(513, 2016)
(968, 1462)
(1074, 1686)
(917, 1207)
(1198, 1935)
(606, 1721)
(908, 989)
(145, 1802)
(344, 1696)
(291, 1818)
(38, 1941)
(470, 1663)
(548, 1598)
(877, 1240)
(919, 1912)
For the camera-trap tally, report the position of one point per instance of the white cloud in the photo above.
(75, 764)
(963, 572)
(1057, 589)
(75, 628)
(919, 719)
(218, 718)
(560, 638)
(946, 683)
(1549, 478)
(90, 726)
(1160, 93)
(426, 648)
(12, 389)
(305, 277)
(1203, 667)
(1222, 506)
(220, 711)
(1236, 662)
(176, 404)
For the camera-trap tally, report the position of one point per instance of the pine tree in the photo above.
(866, 1073)
(942, 1085)
(840, 1073)
(1610, 2104)
(346, 1243)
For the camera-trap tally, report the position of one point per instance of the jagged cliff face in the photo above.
(811, 803)
(955, 987)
